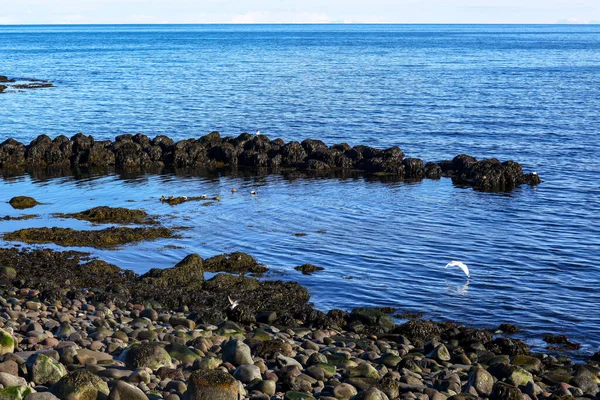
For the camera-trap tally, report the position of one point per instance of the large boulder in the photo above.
(188, 272)
(211, 385)
(44, 370)
(237, 353)
(80, 385)
(482, 381)
(23, 202)
(373, 318)
(147, 355)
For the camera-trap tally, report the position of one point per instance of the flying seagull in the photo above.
(232, 303)
(461, 265)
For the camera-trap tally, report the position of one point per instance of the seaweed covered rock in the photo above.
(110, 215)
(189, 271)
(12, 154)
(140, 153)
(79, 385)
(308, 269)
(44, 370)
(103, 238)
(211, 385)
(147, 355)
(15, 392)
(489, 174)
(419, 329)
(23, 202)
(236, 262)
(372, 318)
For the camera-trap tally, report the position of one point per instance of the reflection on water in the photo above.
(381, 243)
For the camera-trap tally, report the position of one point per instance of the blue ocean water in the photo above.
(527, 93)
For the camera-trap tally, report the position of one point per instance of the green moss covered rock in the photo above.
(149, 355)
(7, 343)
(211, 385)
(80, 385)
(23, 202)
(44, 370)
(15, 392)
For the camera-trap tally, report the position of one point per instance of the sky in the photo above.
(296, 11)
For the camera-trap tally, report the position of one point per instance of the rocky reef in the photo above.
(20, 84)
(107, 333)
(140, 153)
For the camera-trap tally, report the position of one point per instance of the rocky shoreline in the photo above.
(77, 328)
(257, 152)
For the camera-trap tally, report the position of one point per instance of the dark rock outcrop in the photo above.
(140, 153)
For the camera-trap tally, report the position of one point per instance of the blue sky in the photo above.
(305, 11)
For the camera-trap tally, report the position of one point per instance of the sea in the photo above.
(528, 93)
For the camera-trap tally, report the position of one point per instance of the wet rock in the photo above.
(188, 271)
(147, 355)
(110, 215)
(79, 385)
(236, 262)
(509, 328)
(308, 269)
(373, 318)
(103, 238)
(419, 329)
(12, 154)
(211, 385)
(23, 202)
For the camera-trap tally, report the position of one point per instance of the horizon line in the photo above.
(302, 23)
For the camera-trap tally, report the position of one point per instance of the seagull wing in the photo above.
(461, 265)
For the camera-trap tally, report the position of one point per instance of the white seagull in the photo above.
(461, 265)
(257, 133)
(232, 303)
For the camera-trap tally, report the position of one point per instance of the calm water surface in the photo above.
(527, 93)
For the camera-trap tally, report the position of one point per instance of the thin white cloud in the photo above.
(267, 17)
